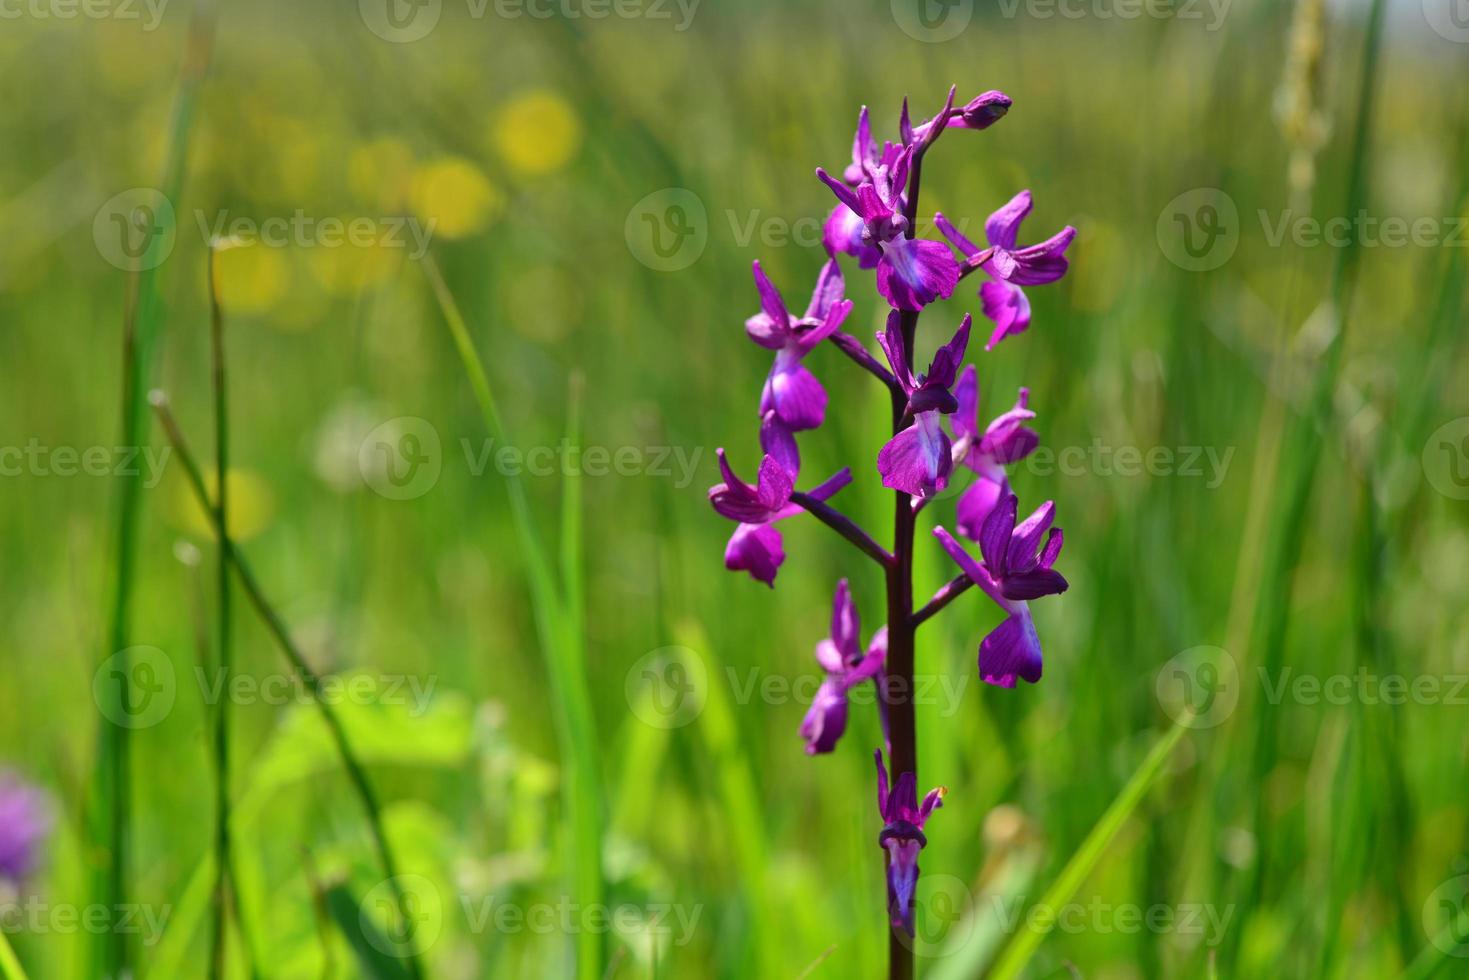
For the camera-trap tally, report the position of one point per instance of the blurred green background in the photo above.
(1296, 830)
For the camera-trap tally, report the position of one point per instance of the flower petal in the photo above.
(777, 440)
(846, 625)
(757, 549)
(1033, 584)
(913, 272)
(775, 484)
(1011, 650)
(864, 150)
(793, 393)
(1037, 265)
(946, 360)
(1002, 226)
(975, 505)
(844, 193)
(994, 535)
(955, 236)
(842, 234)
(826, 719)
(829, 290)
(964, 560)
(917, 460)
(966, 418)
(1008, 306)
(1021, 556)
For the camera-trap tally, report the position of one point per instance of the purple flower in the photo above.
(987, 452)
(1016, 569)
(902, 835)
(844, 229)
(980, 112)
(844, 232)
(846, 666)
(25, 823)
(791, 391)
(918, 459)
(1010, 267)
(911, 272)
(756, 546)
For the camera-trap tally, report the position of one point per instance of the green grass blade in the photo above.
(110, 812)
(1305, 441)
(277, 627)
(10, 968)
(1018, 952)
(221, 732)
(559, 625)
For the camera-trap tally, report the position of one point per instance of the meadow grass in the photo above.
(540, 775)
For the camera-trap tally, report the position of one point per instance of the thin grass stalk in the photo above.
(559, 626)
(356, 775)
(110, 810)
(1305, 440)
(225, 659)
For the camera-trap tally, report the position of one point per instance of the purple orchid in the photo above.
(911, 272)
(1016, 569)
(919, 458)
(1004, 441)
(791, 391)
(756, 545)
(873, 223)
(846, 666)
(902, 836)
(25, 823)
(1010, 267)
